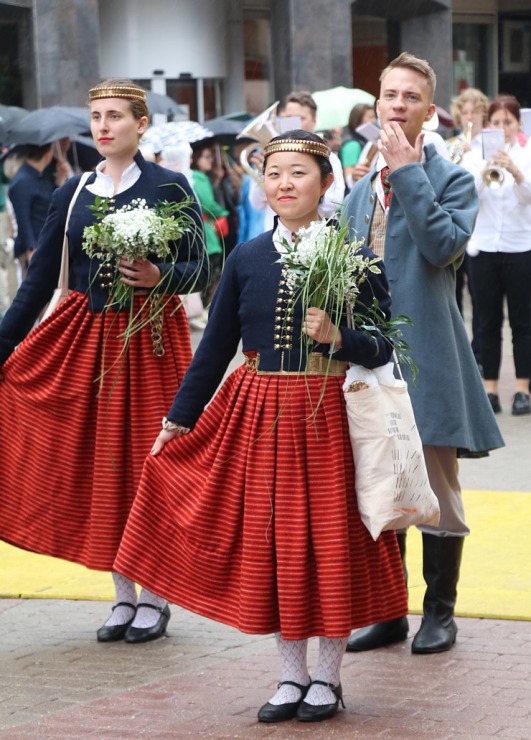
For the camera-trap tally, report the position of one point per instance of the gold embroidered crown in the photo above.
(120, 91)
(297, 145)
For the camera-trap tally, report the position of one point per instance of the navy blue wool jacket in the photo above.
(187, 272)
(30, 193)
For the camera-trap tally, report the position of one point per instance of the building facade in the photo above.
(222, 56)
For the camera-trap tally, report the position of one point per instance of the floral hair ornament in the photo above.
(119, 91)
(297, 145)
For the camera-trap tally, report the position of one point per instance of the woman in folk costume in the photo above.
(81, 394)
(251, 519)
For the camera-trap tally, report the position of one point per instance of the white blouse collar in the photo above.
(104, 186)
(280, 234)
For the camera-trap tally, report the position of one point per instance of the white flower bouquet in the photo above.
(137, 231)
(324, 268)
(132, 232)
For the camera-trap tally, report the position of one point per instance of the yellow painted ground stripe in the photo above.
(495, 576)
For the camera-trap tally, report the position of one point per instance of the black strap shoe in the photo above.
(145, 634)
(115, 632)
(282, 712)
(317, 713)
(378, 635)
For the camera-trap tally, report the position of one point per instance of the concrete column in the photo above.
(312, 44)
(67, 50)
(234, 86)
(430, 37)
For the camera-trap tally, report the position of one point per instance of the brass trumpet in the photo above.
(493, 176)
(370, 154)
(262, 129)
(455, 146)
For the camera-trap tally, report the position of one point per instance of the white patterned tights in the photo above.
(126, 592)
(293, 659)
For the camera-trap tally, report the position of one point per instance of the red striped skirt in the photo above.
(72, 446)
(251, 519)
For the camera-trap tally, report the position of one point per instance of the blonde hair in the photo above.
(471, 95)
(418, 65)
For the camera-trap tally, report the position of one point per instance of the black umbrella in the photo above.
(229, 125)
(158, 103)
(49, 124)
(83, 154)
(9, 114)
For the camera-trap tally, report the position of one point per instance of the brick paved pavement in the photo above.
(206, 680)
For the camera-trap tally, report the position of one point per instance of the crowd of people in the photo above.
(242, 508)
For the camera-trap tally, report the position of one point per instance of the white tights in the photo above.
(293, 659)
(126, 592)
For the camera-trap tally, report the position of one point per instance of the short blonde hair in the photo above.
(418, 65)
(471, 95)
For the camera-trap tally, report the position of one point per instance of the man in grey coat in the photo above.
(417, 211)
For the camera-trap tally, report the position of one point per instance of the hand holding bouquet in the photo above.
(122, 241)
(128, 236)
(324, 268)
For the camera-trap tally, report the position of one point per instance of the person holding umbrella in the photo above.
(30, 193)
(82, 395)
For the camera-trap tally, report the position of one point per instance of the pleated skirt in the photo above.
(251, 519)
(73, 440)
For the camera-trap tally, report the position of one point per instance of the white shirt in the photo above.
(432, 137)
(104, 186)
(332, 199)
(504, 219)
(281, 233)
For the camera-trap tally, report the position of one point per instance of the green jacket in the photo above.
(211, 210)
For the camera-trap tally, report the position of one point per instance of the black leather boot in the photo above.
(383, 633)
(441, 563)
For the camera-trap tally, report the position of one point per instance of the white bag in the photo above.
(62, 291)
(193, 305)
(392, 486)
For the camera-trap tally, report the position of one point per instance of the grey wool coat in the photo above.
(430, 219)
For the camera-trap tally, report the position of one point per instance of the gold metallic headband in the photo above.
(131, 93)
(297, 145)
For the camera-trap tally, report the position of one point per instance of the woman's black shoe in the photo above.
(311, 713)
(144, 634)
(115, 632)
(282, 712)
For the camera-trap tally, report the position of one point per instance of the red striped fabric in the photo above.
(72, 446)
(251, 519)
